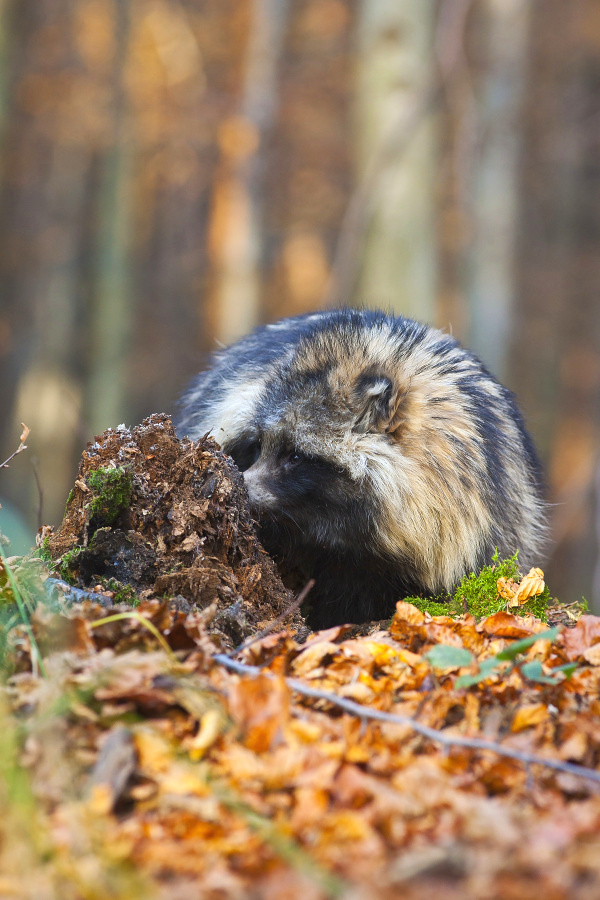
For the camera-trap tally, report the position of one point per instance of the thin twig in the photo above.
(431, 734)
(296, 604)
(22, 446)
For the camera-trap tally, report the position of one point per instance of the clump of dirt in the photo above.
(168, 519)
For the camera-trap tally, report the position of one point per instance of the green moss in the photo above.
(68, 564)
(124, 593)
(112, 494)
(431, 605)
(43, 552)
(478, 594)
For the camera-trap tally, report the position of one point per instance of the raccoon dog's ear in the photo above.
(375, 399)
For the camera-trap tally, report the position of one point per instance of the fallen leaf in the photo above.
(592, 655)
(518, 594)
(211, 726)
(260, 706)
(526, 716)
(406, 612)
(313, 656)
(505, 624)
(576, 641)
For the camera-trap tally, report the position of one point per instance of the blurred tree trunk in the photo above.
(490, 177)
(42, 199)
(185, 78)
(310, 169)
(237, 227)
(112, 303)
(4, 62)
(395, 63)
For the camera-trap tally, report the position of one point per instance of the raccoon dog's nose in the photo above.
(255, 479)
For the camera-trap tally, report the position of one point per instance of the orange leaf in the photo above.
(261, 708)
(314, 656)
(406, 612)
(518, 594)
(529, 715)
(505, 624)
(577, 640)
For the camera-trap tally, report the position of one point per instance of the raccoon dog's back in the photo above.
(380, 456)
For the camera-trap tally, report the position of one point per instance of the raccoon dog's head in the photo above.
(321, 443)
(302, 459)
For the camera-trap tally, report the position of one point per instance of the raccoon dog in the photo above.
(381, 458)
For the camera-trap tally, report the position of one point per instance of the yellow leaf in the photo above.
(155, 753)
(101, 799)
(531, 585)
(507, 588)
(518, 594)
(529, 715)
(358, 754)
(211, 725)
(182, 781)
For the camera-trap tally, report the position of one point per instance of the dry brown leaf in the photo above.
(526, 716)
(407, 625)
(574, 747)
(328, 634)
(314, 656)
(518, 594)
(592, 655)
(260, 706)
(506, 625)
(576, 641)
(155, 752)
(406, 612)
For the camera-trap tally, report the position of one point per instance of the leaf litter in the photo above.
(143, 765)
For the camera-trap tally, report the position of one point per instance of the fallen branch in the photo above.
(368, 714)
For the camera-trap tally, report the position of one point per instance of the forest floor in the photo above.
(172, 728)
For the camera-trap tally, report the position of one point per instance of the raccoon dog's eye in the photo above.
(295, 457)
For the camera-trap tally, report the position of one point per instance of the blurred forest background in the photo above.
(173, 172)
